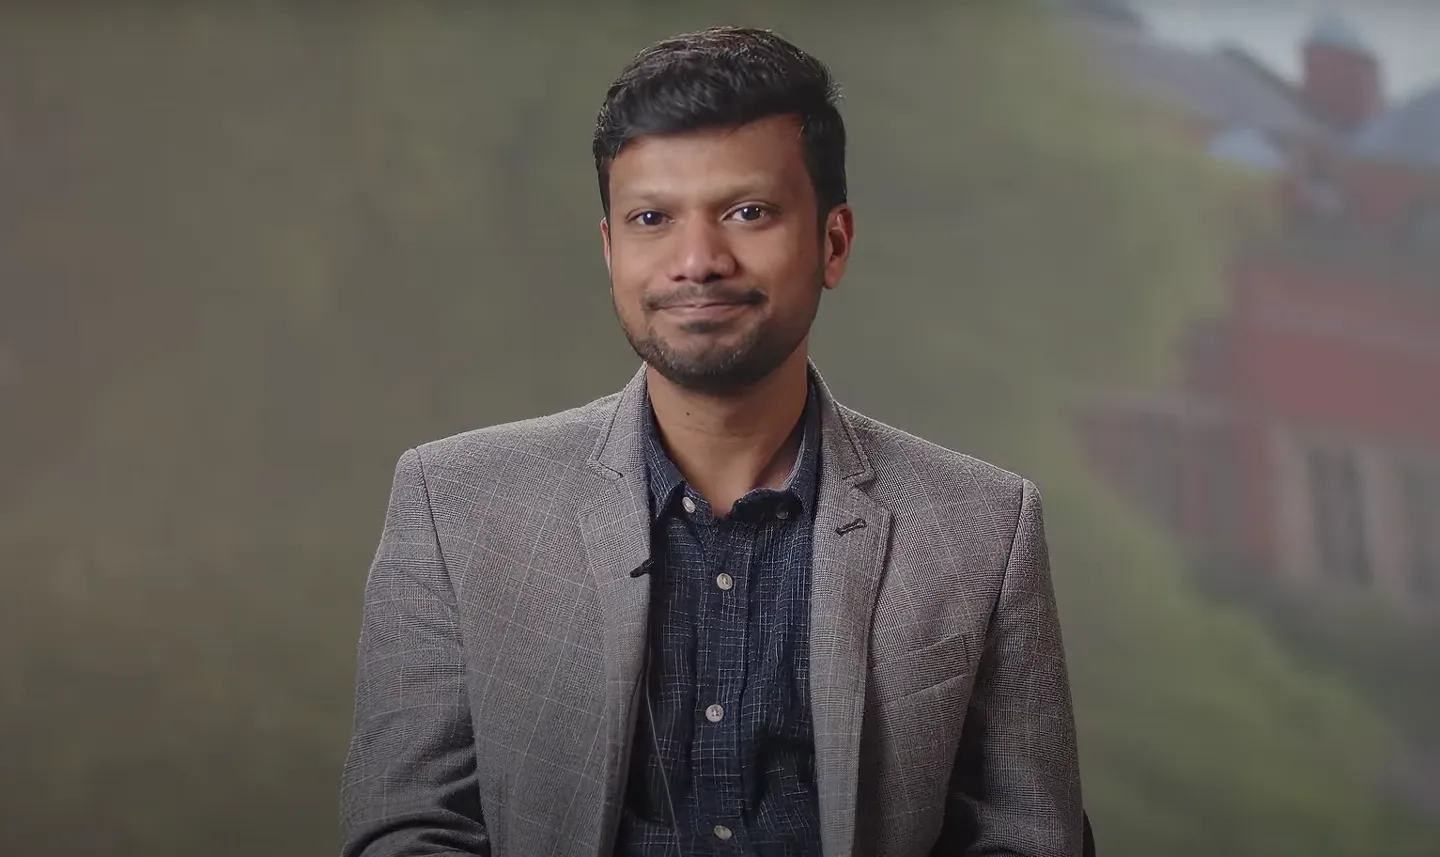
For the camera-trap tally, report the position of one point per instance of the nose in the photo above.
(702, 254)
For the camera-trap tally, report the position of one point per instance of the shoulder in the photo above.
(910, 470)
(531, 453)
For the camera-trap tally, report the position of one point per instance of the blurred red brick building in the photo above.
(1304, 436)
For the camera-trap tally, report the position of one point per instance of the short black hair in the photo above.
(724, 77)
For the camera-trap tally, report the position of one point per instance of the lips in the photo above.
(700, 309)
(705, 304)
(713, 300)
(706, 312)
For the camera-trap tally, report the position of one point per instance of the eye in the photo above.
(649, 218)
(750, 213)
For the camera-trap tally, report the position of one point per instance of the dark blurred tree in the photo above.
(258, 249)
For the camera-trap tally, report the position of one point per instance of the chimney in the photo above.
(1341, 73)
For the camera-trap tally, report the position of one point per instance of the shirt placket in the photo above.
(724, 593)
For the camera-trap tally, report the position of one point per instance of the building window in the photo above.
(1421, 488)
(1157, 473)
(1422, 225)
(1322, 198)
(1338, 513)
(1219, 488)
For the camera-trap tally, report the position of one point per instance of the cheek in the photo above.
(795, 269)
(627, 290)
(628, 269)
(620, 275)
(625, 287)
(785, 253)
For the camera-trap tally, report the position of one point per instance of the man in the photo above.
(717, 612)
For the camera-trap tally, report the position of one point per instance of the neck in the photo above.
(726, 446)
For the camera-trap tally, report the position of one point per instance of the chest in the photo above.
(725, 588)
(554, 650)
(729, 629)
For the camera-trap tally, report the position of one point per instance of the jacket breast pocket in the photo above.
(902, 666)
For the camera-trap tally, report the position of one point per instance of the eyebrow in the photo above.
(660, 196)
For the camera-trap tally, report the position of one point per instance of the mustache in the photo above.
(700, 294)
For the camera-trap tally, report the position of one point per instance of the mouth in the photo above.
(706, 309)
(698, 305)
(712, 302)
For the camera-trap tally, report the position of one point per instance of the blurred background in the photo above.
(1186, 253)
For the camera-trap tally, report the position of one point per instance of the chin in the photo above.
(708, 384)
(712, 373)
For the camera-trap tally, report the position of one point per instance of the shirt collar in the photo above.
(667, 483)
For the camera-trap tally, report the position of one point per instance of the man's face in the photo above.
(716, 257)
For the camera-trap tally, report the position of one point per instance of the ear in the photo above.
(839, 237)
(605, 240)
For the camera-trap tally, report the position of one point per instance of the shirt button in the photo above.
(725, 581)
(782, 513)
(722, 832)
(714, 714)
(688, 504)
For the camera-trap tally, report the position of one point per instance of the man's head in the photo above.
(721, 159)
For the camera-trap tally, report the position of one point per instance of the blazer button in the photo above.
(722, 832)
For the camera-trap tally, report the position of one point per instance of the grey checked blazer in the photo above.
(503, 636)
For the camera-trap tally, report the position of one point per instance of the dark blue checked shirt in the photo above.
(729, 671)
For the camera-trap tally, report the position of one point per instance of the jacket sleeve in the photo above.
(1016, 785)
(409, 783)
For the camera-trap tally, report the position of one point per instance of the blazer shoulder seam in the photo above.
(430, 513)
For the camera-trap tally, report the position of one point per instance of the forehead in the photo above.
(767, 152)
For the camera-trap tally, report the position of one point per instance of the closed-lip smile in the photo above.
(704, 304)
(707, 309)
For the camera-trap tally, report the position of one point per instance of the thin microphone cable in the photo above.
(660, 762)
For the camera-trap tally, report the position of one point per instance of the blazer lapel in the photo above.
(852, 533)
(615, 527)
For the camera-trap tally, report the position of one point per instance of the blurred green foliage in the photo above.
(251, 251)
(1359, 636)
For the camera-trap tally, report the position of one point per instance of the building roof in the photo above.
(1114, 11)
(1245, 98)
(1226, 87)
(1248, 149)
(1409, 132)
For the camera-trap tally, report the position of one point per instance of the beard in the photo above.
(712, 365)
